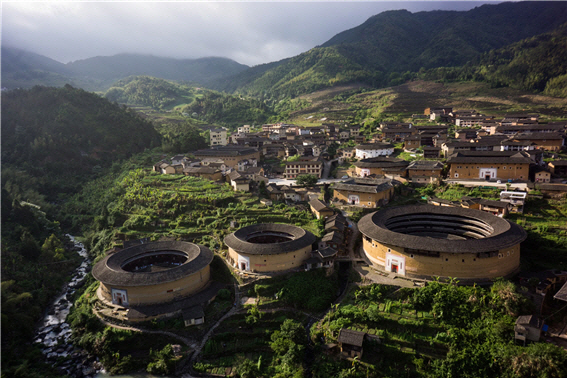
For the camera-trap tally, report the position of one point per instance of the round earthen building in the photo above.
(269, 247)
(153, 273)
(425, 240)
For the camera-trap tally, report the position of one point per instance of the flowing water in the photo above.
(54, 333)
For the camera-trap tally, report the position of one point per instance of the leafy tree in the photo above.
(262, 189)
(182, 137)
(306, 180)
(332, 149)
(291, 333)
(52, 249)
(540, 360)
(504, 297)
(254, 315)
(247, 369)
(294, 158)
(29, 247)
(163, 361)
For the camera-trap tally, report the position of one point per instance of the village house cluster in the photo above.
(462, 145)
(443, 238)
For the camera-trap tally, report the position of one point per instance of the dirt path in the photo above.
(355, 234)
(184, 340)
(232, 311)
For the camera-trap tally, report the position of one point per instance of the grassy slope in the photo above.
(400, 102)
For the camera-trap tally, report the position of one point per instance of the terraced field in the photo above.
(399, 103)
(194, 209)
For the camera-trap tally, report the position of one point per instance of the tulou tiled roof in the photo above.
(374, 146)
(365, 185)
(299, 238)
(426, 164)
(498, 232)
(381, 162)
(496, 157)
(109, 270)
(226, 151)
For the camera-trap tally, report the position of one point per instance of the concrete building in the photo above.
(218, 137)
(528, 328)
(303, 166)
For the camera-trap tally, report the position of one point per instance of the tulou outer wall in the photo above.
(367, 199)
(510, 171)
(270, 263)
(465, 266)
(163, 292)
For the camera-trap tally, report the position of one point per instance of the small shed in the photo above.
(332, 239)
(350, 342)
(320, 209)
(193, 316)
(528, 328)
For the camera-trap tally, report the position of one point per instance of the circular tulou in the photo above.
(269, 247)
(423, 241)
(153, 273)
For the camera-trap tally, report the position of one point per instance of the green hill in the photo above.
(116, 67)
(315, 69)
(534, 64)
(59, 137)
(22, 69)
(228, 110)
(387, 45)
(150, 91)
(400, 40)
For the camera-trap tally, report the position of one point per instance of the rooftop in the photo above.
(269, 239)
(365, 185)
(381, 162)
(351, 337)
(374, 146)
(120, 268)
(426, 164)
(496, 157)
(318, 205)
(441, 229)
(226, 151)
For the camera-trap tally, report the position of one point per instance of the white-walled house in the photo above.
(370, 150)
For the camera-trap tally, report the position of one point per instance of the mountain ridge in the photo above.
(386, 48)
(394, 42)
(21, 68)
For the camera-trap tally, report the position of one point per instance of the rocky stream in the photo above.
(54, 333)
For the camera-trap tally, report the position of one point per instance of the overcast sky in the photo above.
(248, 32)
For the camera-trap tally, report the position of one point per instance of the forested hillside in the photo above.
(392, 45)
(534, 64)
(23, 69)
(54, 140)
(58, 137)
(119, 66)
(315, 69)
(150, 91)
(228, 110)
